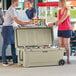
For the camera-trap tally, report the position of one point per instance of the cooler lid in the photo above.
(34, 36)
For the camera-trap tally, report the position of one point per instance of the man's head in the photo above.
(15, 2)
(0, 4)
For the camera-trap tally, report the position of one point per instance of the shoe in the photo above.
(15, 62)
(5, 64)
(75, 54)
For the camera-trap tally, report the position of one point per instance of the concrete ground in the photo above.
(15, 70)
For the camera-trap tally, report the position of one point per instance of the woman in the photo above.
(31, 12)
(64, 28)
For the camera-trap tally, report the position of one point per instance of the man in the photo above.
(1, 14)
(8, 33)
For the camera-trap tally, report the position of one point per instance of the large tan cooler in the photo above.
(37, 36)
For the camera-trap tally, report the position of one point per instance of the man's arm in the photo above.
(20, 22)
(3, 18)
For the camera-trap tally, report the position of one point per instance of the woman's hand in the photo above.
(50, 25)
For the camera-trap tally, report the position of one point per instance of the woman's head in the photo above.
(30, 4)
(62, 3)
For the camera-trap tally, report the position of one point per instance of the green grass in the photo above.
(73, 13)
(53, 14)
(54, 11)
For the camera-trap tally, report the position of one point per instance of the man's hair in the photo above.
(14, 1)
(0, 0)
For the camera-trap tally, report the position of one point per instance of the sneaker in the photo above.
(5, 64)
(15, 62)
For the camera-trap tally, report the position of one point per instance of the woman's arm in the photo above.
(66, 13)
(34, 16)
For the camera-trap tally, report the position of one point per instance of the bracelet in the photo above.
(54, 23)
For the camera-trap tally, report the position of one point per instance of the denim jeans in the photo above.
(8, 39)
(13, 52)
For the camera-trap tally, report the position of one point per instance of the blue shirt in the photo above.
(30, 13)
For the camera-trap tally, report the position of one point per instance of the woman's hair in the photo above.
(30, 1)
(64, 2)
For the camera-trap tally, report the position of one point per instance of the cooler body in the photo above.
(30, 44)
(40, 57)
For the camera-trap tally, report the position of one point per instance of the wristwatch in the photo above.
(54, 23)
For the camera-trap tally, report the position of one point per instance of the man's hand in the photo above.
(27, 26)
(28, 23)
(50, 25)
(31, 22)
(21, 22)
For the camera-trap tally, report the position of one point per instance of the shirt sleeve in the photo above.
(26, 11)
(13, 13)
(1, 13)
(34, 10)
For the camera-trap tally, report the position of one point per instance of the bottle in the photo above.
(40, 23)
